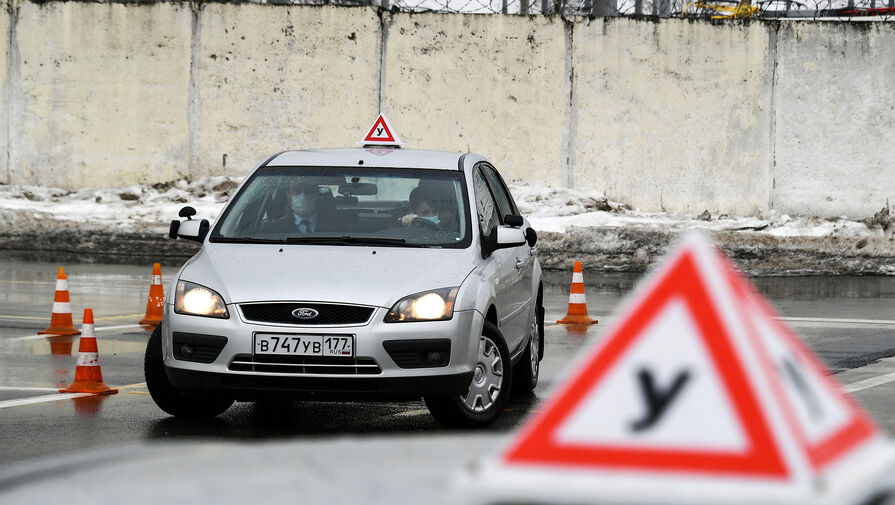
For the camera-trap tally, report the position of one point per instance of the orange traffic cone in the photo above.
(577, 306)
(156, 300)
(60, 321)
(88, 374)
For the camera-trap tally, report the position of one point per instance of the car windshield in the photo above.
(349, 206)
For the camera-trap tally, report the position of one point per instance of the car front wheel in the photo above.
(488, 391)
(169, 398)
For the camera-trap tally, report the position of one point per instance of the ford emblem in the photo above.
(304, 313)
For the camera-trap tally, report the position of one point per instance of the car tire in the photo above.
(540, 315)
(489, 389)
(525, 373)
(169, 398)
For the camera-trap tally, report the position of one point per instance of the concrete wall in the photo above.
(270, 79)
(101, 93)
(4, 92)
(496, 85)
(672, 115)
(834, 111)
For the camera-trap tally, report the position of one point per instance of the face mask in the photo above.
(302, 204)
(434, 219)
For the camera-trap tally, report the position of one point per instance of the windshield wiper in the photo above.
(346, 240)
(247, 240)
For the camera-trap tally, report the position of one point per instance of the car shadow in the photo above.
(285, 419)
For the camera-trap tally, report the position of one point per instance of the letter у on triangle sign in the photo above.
(696, 395)
(381, 134)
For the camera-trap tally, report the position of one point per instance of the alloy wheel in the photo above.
(487, 378)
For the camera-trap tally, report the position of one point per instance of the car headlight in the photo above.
(198, 300)
(435, 305)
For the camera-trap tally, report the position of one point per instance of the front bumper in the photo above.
(391, 380)
(247, 387)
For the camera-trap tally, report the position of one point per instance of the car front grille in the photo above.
(327, 313)
(304, 365)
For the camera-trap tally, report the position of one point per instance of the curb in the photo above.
(600, 249)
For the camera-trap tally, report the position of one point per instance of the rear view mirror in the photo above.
(358, 188)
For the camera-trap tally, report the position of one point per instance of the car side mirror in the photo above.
(509, 237)
(190, 229)
(531, 236)
(513, 220)
(502, 237)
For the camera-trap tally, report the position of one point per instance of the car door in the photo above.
(522, 258)
(501, 263)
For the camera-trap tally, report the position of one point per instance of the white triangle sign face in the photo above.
(696, 395)
(674, 385)
(826, 422)
(381, 134)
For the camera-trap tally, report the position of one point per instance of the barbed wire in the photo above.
(719, 10)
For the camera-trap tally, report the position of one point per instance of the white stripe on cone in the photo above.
(156, 280)
(61, 307)
(88, 359)
(576, 298)
(61, 284)
(577, 277)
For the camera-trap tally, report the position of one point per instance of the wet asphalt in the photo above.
(847, 321)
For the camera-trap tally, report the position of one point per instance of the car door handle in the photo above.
(519, 263)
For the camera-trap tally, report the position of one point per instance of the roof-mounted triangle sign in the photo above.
(696, 395)
(381, 134)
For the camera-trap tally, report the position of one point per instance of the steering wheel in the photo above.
(425, 224)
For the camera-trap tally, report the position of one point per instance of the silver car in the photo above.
(355, 274)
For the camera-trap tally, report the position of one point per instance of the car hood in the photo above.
(377, 276)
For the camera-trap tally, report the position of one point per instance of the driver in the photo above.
(423, 205)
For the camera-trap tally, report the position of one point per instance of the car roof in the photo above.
(374, 157)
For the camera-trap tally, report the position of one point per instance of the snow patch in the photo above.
(151, 207)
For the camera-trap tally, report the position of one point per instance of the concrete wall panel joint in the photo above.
(570, 124)
(194, 98)
(9, 89)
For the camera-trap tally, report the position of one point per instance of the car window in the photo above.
(349, 205)
(487, 210)
(505, 202)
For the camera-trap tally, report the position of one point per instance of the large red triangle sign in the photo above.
(661, 426)
(698, 394)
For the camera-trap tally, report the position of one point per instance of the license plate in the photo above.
(305, 345)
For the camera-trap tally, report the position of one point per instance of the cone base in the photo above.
(97, 388)
(577, 319)
(62, 332)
